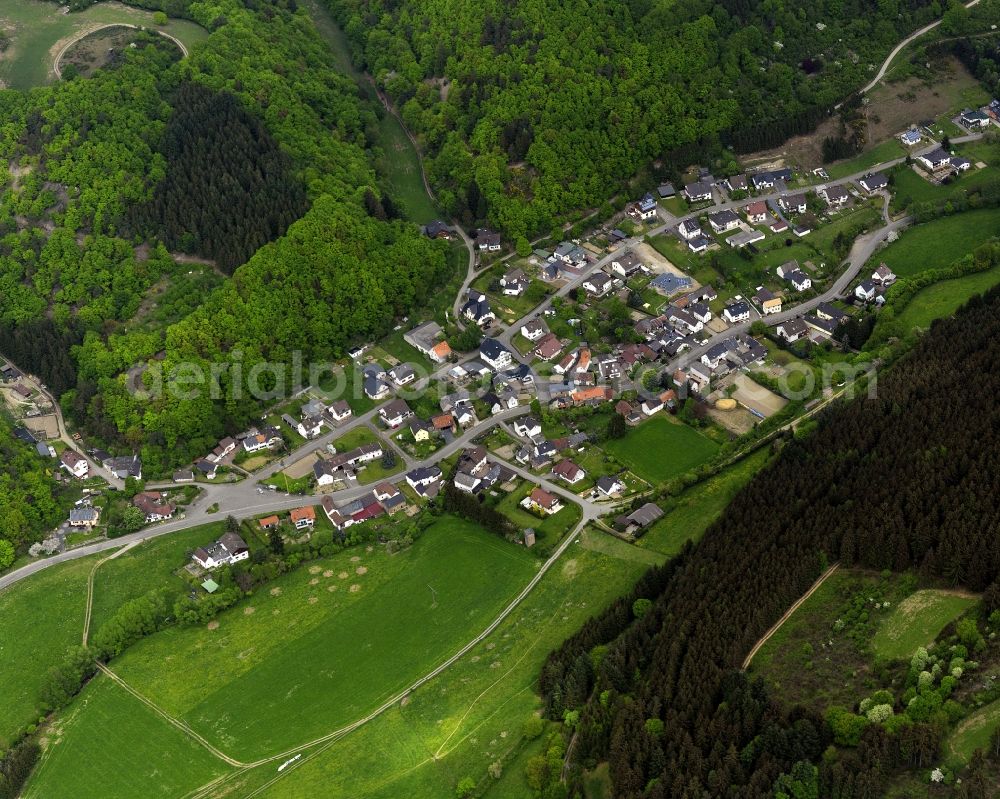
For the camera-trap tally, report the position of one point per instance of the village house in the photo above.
(767, 301)
(389, 497)
(84, 518)
(495, 354)
(514, 283)
(425, 338)
(738, 311)
(592, 396)
(487, 240)
(548, 347)
(224, 448)
(541, 500)
(229, 549)
(792, 330)
(340, 411)
(402, 374)
(684, 320)
(830, 312)
(310, 427)
(527, 427)
(626, 265)
(974, 119)
(567, 470)
(689, 229)
(835, 196)
(723, 221)
(793, 204)
(303, 518)
(75, 464)
(572, 255)
(533, 330)
(477, 309)
(269, 438)
(436, 229)
(443, 422)
(125, 466)
(883, 276)
(644, 209)
(154, 505)
(910, 137)
(700, 191)
(644, 516)
(183, 476)
(610, 486)
(598, 284)
(866, 291)
(423, 477)
(873, 182)
(756, 212)
(420, 430)
(790, 272)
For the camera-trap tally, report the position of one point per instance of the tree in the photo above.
(6, 553)
(276, 542)
(465, 788)
(388, 458)
(616, 426)
(132, 519)
(641, 607)
(523, 247)
(159, 18)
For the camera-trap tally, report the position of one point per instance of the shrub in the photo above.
(879, 714)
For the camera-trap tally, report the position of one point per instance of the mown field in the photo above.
(109, 744)
(40, 618)
(323, 646)
(916, 622)
(690, 514)
(468, 719)
(661, 448)
(38, 30)
(939, 243)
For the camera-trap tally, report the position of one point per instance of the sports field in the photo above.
(939, 243)
(109, 744)
(465, 721)
(325, 645)
(38, 31)
(40, 618)
(661, 449)
(917, 620)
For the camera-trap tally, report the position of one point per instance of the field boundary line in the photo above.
(88, 611)
(177, 723)
(787, 615)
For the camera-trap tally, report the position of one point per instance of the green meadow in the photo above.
(661, 449)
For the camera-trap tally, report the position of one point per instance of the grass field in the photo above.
(40, 618)
(662, 448)
(39, 29)
(943, 299)
(323, 646)
(549, 530)
(111, 745)
(699, 506)
(147, 567)
(459, 724)
(886, 151)
(973, 732)
(916, 622)
(939, 243)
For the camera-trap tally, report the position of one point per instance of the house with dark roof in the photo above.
(873, 181)
(567, 470)
(495, 354)
(699, 191)
(835, 196)
(487, 240)
(792, 330)
(738, 311)
(723, 221)
(436, 229)
(477, 308)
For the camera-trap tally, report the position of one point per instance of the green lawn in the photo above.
(40, 618)
(943, 299)
(939, 243)
(327, 644)
(886, 151)
(973, 732)
(693, 511)
(909, 187)
(149, 566)
(470, 717)
(38, 26)
(109, 744)
(662, 448)
(916, 622)
(550, 530)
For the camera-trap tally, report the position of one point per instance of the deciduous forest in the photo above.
(903, 481)
(534, 109)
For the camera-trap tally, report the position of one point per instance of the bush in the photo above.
(845, 726)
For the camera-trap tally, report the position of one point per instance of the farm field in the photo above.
(690, 514)
(86, 751)
(660, 449)
(38, 30)
(472, 716)
(943, 299)
(939, 243)
(40, 618)
(916, 622)
(324, 645)
(149, 566)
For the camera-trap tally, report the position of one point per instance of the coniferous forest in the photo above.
(907, 480)
(228, 189)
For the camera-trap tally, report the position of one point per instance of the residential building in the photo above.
(762, 181)
(793, 204)
(420, 430)
(495, 354)
(572, 255)
(85, 518)
(700, 191)
(514, 283)
(645, 516)
(768, 302)
(830, 312)
(835, 196)
(756, 212)
(423, 477)
(699, 245)
(229, 549)
(487, 240)
(402, 374)
(610, 486)
(303, 518)
(533, 330)
(883, 276)
(154, 505)
(866, 290)
(744, 238)
(527, 427)
(974, 119)
(477, 309)
(792, 330)
(626, 265)
(125, 466)
(689, 229)
(598, 284)
(738, 311)
(436, 229)
(592, 396)
(541, 500)
(723, 221)
(75, 464)
(567, 470)
(548, 347)
(910, 137)
(310, 427)
(790, 272)
(340, 411)
(873, 182)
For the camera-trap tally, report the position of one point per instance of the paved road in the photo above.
(897, 50)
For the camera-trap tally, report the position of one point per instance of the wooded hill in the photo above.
(906, 480)
(552, 105)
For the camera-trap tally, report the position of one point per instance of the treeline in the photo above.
(898, 482)
(31, 502)
(553, 106)
(228, 188)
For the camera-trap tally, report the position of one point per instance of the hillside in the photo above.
(534, 109)
(902, 481)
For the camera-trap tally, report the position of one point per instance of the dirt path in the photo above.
(90, 586)
(788, 613)
(99, 26)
